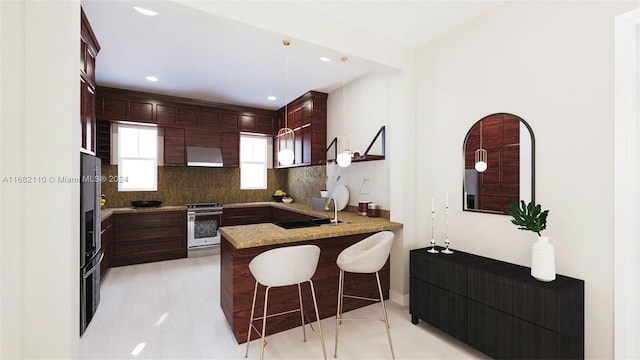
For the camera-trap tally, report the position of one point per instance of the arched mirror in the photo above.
(499, 164)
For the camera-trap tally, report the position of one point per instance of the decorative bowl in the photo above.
(146, 203)
(287, 200)
(278, 198)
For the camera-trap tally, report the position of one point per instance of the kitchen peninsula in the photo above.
(241, 243)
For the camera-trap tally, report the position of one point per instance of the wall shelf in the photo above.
(357, 157)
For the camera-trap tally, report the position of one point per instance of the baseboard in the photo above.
(400, 299)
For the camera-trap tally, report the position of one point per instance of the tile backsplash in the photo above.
(183, 185)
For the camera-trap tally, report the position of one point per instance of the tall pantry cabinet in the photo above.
(89, 49)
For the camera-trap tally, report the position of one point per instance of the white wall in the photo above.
(372, 101)
(550, 63)
(39, 136)
(627, 194)
(367, 109)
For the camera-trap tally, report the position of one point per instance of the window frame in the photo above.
(122, 178)
(264, 162)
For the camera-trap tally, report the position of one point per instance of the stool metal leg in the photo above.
(304, 333)
(315, 306)
(384, 311)
(339, 310)
(253, 307)
(264, 321)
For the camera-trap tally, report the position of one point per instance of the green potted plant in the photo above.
(529, 216)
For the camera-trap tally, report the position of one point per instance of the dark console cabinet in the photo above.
(498, 307)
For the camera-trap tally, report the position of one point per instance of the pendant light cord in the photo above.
(481, 135)
(344, 93)
(286, 80)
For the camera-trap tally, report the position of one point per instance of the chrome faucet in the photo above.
(335, 210)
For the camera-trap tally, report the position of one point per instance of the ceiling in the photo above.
(220, 60)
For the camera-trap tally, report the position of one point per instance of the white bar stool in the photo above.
(285, 266)
(365, 257)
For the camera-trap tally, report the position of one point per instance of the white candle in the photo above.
(433, 205)
(447, 200)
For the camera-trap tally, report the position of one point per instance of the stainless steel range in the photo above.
(203, 220)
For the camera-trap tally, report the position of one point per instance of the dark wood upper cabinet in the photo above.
(140, 111)
(89, 49)
(209, 117)
(192, 122)
(174, 147)
(112, 109)
(231, 149)
(228, 120)
(188, 116)
(264, 125)
(202, 137)
(307, 116)
(248, 122)
(166, 114)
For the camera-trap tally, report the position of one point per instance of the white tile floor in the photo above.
(171, 310)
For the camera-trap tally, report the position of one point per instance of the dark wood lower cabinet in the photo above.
(246, 215)
(106, 231)
(497, 307)
(237, 284)
(149, 236)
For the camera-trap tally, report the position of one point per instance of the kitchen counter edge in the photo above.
(255, 235)
(107, 212)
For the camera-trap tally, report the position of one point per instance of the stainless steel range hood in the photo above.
(204, 156)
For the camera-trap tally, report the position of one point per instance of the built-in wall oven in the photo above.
(90, 246)
(203, 221)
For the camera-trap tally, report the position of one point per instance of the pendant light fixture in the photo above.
(286, 136)
(344, 142)
(481, 155)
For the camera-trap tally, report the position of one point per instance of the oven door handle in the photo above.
(205, 213)
(94, 267)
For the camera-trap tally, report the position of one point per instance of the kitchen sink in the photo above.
(307, 223)
(326, 221)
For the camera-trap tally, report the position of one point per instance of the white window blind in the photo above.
(137, 158)
(253, 162)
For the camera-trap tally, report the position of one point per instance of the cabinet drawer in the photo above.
(535, 303)
(438, 270)
(488, 287)
(503, 336)
(244, 216)
(155, 233)
(152, 219)
(490, 330)
(440, 308)
(138, 248)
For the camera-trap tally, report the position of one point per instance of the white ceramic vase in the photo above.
(543, 263)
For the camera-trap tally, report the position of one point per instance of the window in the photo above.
(253, 162)
(137, 158)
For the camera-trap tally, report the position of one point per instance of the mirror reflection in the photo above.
(498, 163)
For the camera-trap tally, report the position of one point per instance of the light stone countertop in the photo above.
(106, 212)
(247, 236)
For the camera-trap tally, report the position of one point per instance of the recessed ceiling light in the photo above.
(271, 98)
(151, 78)
(145, 11)
(326, 59)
